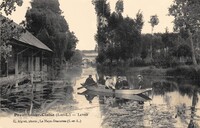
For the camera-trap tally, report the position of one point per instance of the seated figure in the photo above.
(89, 81)
(109, 83)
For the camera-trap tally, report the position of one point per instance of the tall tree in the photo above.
(120, 39)
(153, 21)
(119, 7)
(102, 9)
(186, 14)
(45, 21)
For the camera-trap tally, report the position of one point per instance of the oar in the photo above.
(81, 87)
(85, 85)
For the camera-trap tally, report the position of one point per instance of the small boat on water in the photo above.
(139, 97)
(101, 88)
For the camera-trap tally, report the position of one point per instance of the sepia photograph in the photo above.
(99, 64)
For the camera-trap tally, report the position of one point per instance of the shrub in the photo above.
(184, 72)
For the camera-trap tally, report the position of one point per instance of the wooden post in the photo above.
(41, 67)
(31, 67)
(7, 68)
(0, 62)
(29, 64)
(16, 69)
(0, 48)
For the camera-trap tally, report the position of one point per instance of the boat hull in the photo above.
(139, 97)
(122, 91)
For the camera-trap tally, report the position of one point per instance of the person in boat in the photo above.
(122, 83)
(140, 81)
(89, 81)
(109, 83)
(101, 80)
(125, 84)
(119, 84)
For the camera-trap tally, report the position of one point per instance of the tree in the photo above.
(153, 21)
(186, 14)
(146, 39)
(44, 20)
(71, 45)
(184, 51)
(102, 9)
(120, 39)
(10, 5)
(129, 37)
(7, 29)
(76, 59)
(119, 7)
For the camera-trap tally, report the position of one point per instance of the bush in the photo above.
(184, 72)
(165, 61)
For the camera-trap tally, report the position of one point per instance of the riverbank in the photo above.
(186, 72)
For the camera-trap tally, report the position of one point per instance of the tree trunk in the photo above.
(192, 48)
(193, 108)
(0, 64)
(0, 49)
(151, 51)
(151, 47)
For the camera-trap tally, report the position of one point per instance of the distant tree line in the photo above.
(168, 50)
(120, 40)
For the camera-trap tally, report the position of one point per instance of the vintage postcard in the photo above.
(99, 64)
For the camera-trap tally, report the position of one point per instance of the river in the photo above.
(173, 104)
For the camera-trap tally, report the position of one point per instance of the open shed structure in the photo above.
(30, 59)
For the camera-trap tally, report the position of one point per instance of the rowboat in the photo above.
(101, 88)
(139, 97)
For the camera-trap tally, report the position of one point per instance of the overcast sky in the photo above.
(81, 17)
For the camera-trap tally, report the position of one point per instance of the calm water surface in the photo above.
(173, 105)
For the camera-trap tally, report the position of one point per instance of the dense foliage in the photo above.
(118, 37)
(76, 59)
(46, 22)
(7, 29)
(186, 14)
(8, 6)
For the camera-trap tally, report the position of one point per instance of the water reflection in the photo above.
(175, 103)
(35, 99)
(89, 95)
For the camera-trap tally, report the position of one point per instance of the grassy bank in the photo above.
(186, 72)
(149, 70)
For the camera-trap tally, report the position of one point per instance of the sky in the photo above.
(81, 17)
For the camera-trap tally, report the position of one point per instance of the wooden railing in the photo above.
(13, 79)
(37, 76)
